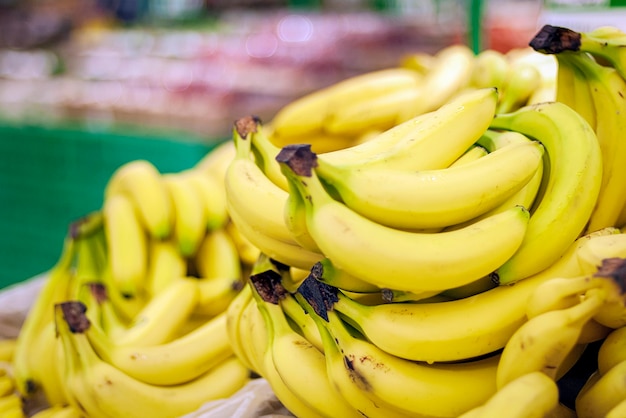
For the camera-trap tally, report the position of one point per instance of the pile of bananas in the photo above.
(440, 259)
(131, 320)
(440, 239)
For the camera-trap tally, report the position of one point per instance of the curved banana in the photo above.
(291, 353)
(491, 69)
(450, 72)
(215, 294)
(175, 362)
(607, 89)
(311, 113)
(66, 411)
(252, 197)
(382, 113)
(141, 182)
(410, 388)
(233, 314)
(165, 264)
(475, 152)
(612, 351)
(11, 406)
(544, 341)
(295, 220)
(408, 261)
(523, 79)
(533, 395)
(602, 392)
(7, 349)
(216, 162)
(7, 385)
(40, 314)
(189, 213)
(326, 272)
(127, 245)
(162, 315)
(438, 138)
(212, 196)
(414, 199)
(451, 332)
(248, 253)
(575, 170)
(217, 256)
(103, 390)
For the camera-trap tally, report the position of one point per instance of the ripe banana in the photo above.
(438, 138)
(575, 169)
(210, 190)
(126, 244)
(218, 256)
(311, 113)
(523, 79)
(362, 370)
(602, 392)
(100, 389)
(233, 314)
(141, 182)
(533, 395)
(7, 349)
(171, 363)
(414, 199)
(165, 264)
(612, 350)
(408, 261)
(189, 213)
(491, 69)
(544, 341)
(292, 354)
(66, 411)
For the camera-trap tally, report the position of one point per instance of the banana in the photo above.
(215, 294)
(58, 411)
(252, 198)
(451, 72)
(617, 411)
(165, 264)
(305, 324)
(189, 213)
(574, 88)
(264, 152)
(126, 244)
(295, 219)
(162, 315)
(452, 333)
(491, 69)
(361, 369)
(544, 341)
(575, 169)
(233, 314)
(612, 351)
(253, 335)
(7, 385)
(520, 84)
(607, 89)
(218, 256)
(602, 392)
(311, 113)
(216, 162)
(210, 190)
(175, 362)
(414, 199)
(248, 253)
(11, 406)
(408, 261)
(39, 315)
(104, 391)
(141, 182)
(474, 153)
(533, 395)
(291, 353)
(326, 272)
(7, 349)
(438, 138)
(380, 113)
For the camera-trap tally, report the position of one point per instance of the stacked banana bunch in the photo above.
(131, 320)
(432, 257)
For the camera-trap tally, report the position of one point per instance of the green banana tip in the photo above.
(555, 39)
(300, 159)
(615, 269)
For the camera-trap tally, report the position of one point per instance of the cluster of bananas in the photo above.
(131, 321)
(442, 258)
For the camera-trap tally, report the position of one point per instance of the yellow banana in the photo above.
(612, 350)
(212, 196)
(602, 392)
(310, 113)
(165, 264)
(544, 341)
(414, 199)
(7, 349)
(475, 152)
(103, 390)
(126, 245)
(218, 256)
(408, 261)
(248, 253)
(491, 69)
(140, 181)
(233, 314)
(575, 169)
(533, 395)
(520, 84)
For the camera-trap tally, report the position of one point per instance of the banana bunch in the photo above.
(595, 90)
(131, 321)
(352, 111)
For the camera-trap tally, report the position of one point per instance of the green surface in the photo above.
(50, 176)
